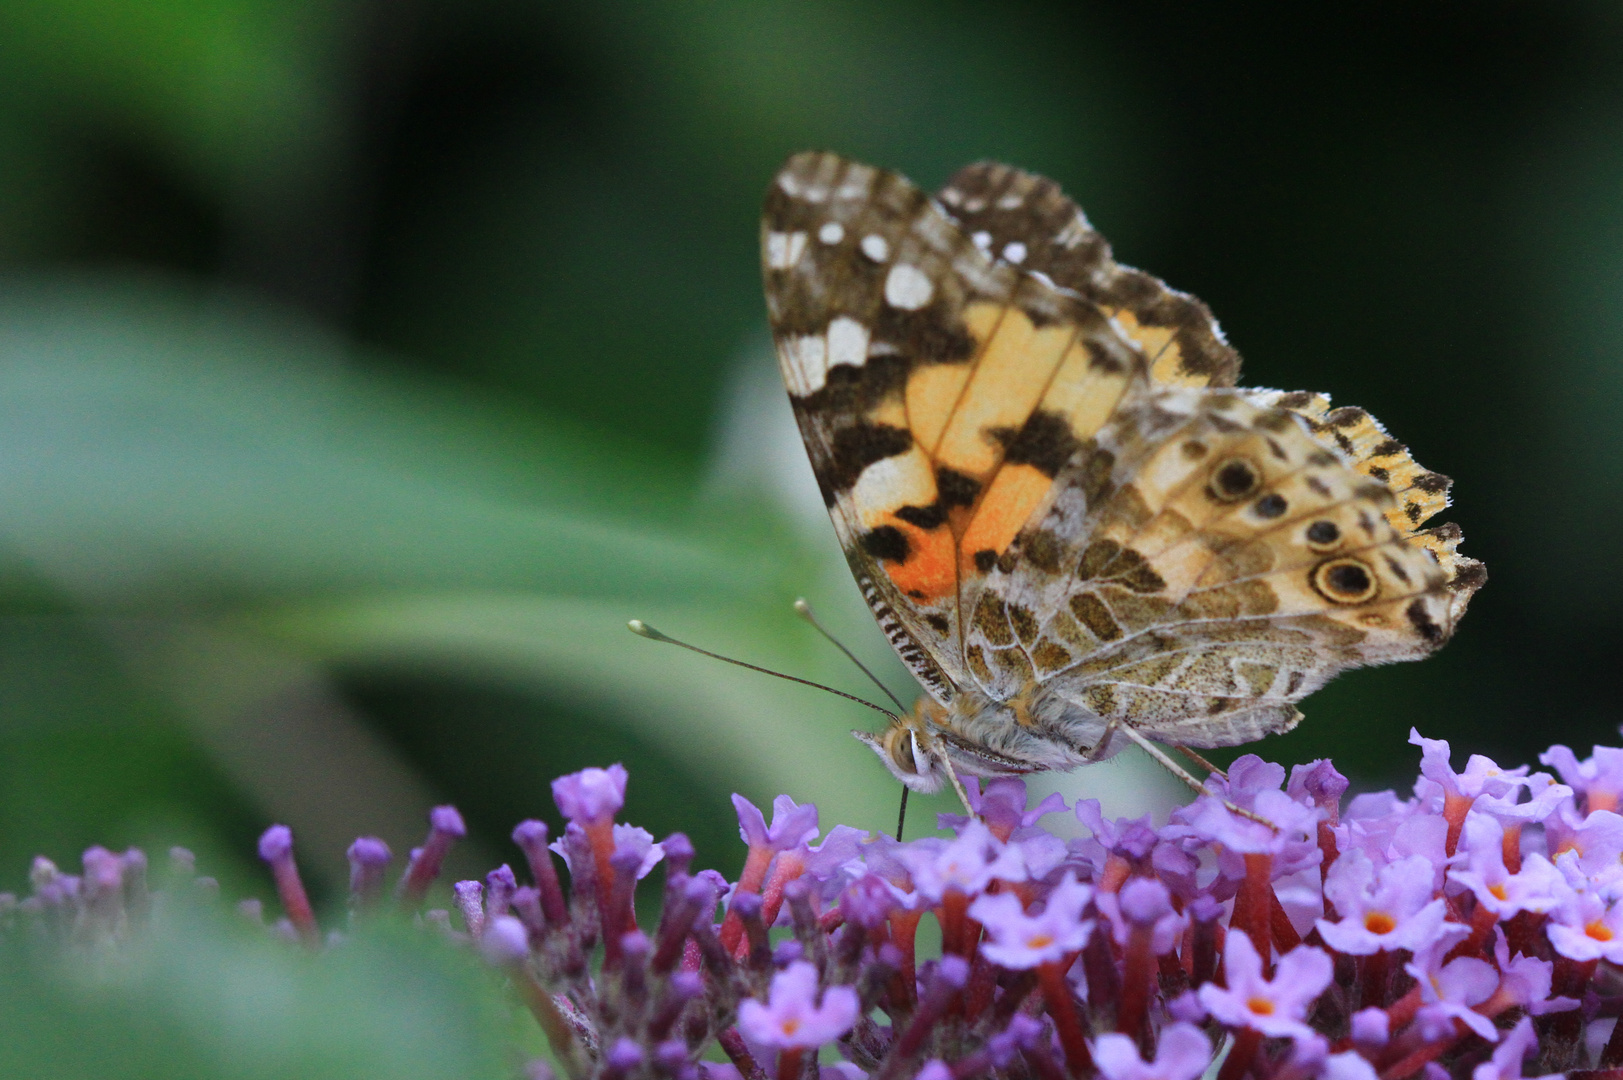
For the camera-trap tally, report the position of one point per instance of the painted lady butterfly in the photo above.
(1068, 521)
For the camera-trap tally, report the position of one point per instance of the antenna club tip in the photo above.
(642, 629)
(801, 605)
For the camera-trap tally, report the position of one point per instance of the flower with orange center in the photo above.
(792, 1018)
(1587, 927)
(1018, 940)
(1275, 1007)
(1383, 910)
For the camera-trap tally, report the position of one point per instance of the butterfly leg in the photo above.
(1098, 751)
(957, 786)
(1200, 762)
(1181, 773)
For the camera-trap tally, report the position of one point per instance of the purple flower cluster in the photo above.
(1473, 929)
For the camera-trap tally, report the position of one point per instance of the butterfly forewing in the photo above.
(938, 391)
(1027, 221)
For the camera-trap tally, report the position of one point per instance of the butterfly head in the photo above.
(913, 753)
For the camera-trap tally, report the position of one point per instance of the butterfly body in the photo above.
(1064, 516)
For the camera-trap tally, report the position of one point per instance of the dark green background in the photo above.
(363, 368)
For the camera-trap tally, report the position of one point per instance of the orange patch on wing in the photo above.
(932, 393)
(1159, 346)
(1085, 394)
(930, 570)
(1003, 511)
(1014, 370)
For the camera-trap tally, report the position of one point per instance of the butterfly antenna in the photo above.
(804, 610)
(642, 629)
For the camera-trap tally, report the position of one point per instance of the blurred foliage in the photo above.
(202, 1000)
(363, 367)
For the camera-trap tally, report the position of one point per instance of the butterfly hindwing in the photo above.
(1218, 564)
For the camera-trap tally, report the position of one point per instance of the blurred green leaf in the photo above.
(199, 999)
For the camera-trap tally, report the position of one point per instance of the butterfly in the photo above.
(1070, 523)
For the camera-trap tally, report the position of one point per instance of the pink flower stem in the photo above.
(1205, 945)
(980, 989)
(1328, 849)
(1377, 973)
(1138, 973)
(1483, 920)
(953, 914)
(1522, 932)
(600, 835)
(1042, 1063)
(1253, 906)
(789, 1059)
(749, 881)
(790, 865)
(1455, 807)
(904, 927)
(1114, 874)
(1285, 935)
(1570, 979)
(1104, 984)
(1067, 1021)
(1403, 1010)
(1412, 1064)
(295, 903)
(1246, 1042)
(1512, 848)
(732, 1043)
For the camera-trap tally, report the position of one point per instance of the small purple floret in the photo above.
(505, 941)
(445, 828)
(276, 843)
(591, 796)
(792, 1017)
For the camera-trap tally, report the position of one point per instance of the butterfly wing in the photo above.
(1026, 221)
(1211, 639)
(1217, 563)
(938, 391)
(1041, 482)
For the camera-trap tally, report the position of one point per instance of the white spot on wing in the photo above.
(893, 482)
(907, 287)
(1010, 202)
(832, 232)
(982, 240)
(847, 342)
(1076, 230)
(856, 185)
(805, 364)
(783, 250)
(1014, 252)
(875, 247)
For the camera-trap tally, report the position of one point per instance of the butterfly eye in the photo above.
(1345, 581)
(1323, 535)
(1233, 479)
